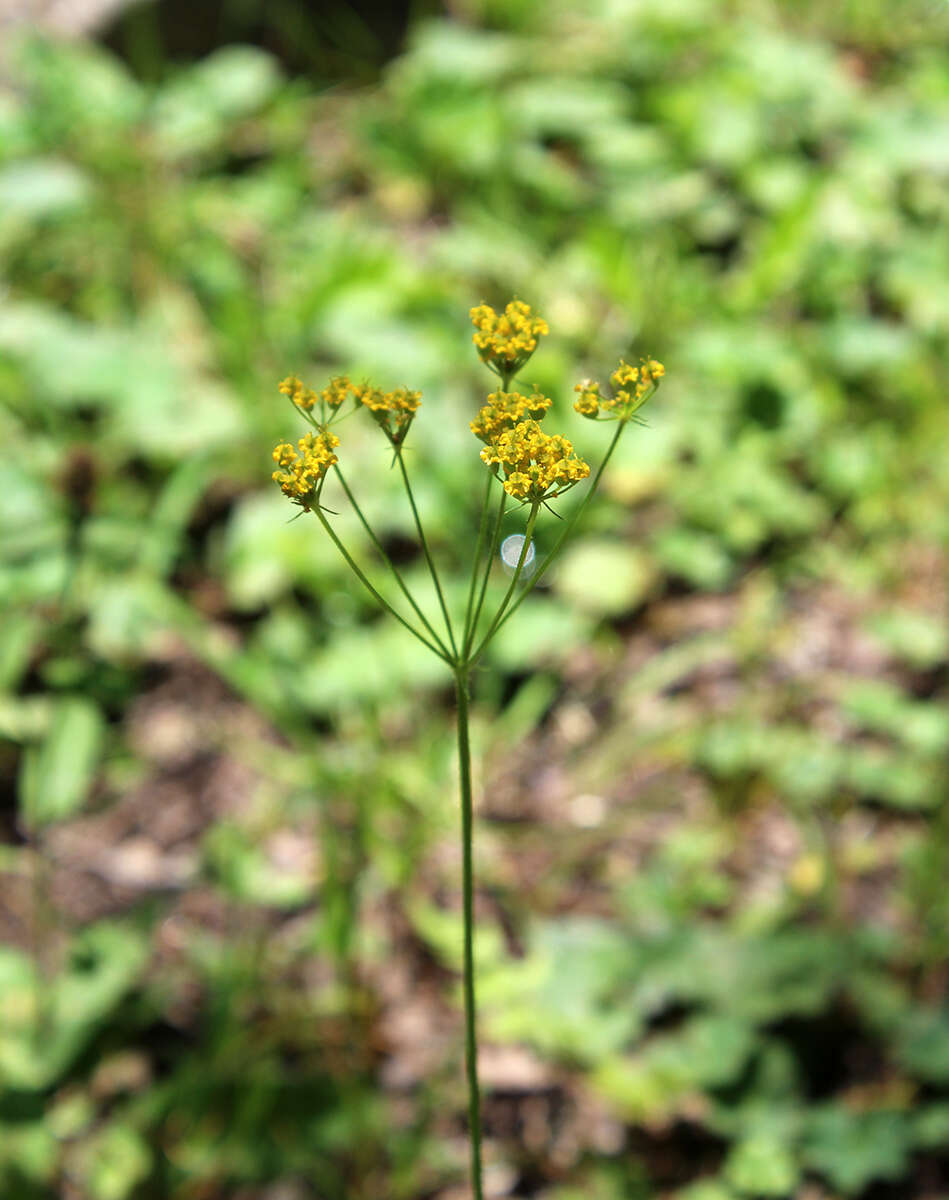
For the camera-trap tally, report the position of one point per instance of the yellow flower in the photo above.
(624, 375)
(536, 465)
(331, 397)
(504, 410)
(393, 412)
(304, 467)
(284, 454)
(632, 387)
(588, 401)
(301, 396)
(336, 391)
(505, 342)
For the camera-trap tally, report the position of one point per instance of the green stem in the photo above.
(482, 530)
(372, 591)
(564, 533)
(522, 557)
(426, 552)
(471, 1037)
(488, 564)
(389, 563)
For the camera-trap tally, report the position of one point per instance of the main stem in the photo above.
(467, 887)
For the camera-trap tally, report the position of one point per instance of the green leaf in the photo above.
(566, 106)
(18, 637)
(31, 525)
(762, 1166)
(542, 631)
(923, 1045)
(366, 664)
(707, 1052)
(58, 774)
(920, 638)
(192, 112)
(115, 1162)
(439, 929)
(78, 87)
(893, 778)
(931, 1126)
(707, 1189)
(104, 962)
(458, 54)
(28, 1151)
(248, 872)
(604, 577)
(564, 996)
(884, 707)
(695, 556)
(852, 1149)
(41, 188)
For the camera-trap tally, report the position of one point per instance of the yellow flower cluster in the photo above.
(632, 387)
(506, 341)
(304, 467)
(589, 400)
(392, 411)
(332, 396)
(536, 465)
(504, 410)
(302, 397)
(336, 391)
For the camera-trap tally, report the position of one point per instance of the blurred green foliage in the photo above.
(758, 196)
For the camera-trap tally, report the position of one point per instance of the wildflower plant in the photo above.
(526, 466)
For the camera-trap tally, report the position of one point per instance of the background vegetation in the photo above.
(714, 836)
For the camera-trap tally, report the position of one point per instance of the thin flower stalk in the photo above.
(396, 573)
(515, 579)
(423, 542)
(381, 600)
(489, 563)
(479, 550)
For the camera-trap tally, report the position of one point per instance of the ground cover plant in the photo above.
(712, 847)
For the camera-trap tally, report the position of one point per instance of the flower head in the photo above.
(632, 387)
(506, 341)
(303, 397)
(304, 466)
(504, 410)
(336, 391)
(536, 465)
(393, 412)
(589, 400)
